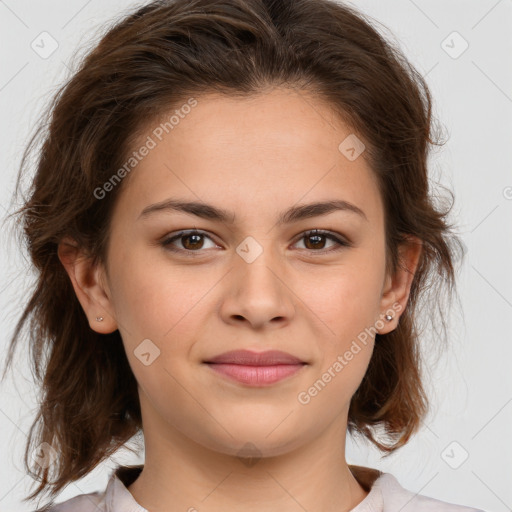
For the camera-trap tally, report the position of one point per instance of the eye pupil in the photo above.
(317, 238)
(188, 237)
(193, 242)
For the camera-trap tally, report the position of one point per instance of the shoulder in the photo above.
(395, 497)
(114, 498)
(91, 502)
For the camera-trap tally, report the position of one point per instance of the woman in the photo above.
(232, 227)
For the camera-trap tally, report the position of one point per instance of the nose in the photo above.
(257, 293)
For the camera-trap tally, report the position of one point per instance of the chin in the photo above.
(255, 443)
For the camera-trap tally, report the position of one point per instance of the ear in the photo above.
(90, 286)
(397, 287)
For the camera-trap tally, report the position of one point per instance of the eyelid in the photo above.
(341, 241)
(168, 239)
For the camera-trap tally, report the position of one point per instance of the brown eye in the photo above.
(191, 241)
(315, 241)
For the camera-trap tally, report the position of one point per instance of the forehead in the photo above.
(257, 154)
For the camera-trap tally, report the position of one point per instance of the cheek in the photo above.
(344, 353)
(156, 302)
(152, 299)
(345, 298)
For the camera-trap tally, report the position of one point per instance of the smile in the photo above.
(257, 376)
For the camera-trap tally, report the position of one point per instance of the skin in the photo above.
(255, 157)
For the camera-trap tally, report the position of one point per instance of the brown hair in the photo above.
(149, 61)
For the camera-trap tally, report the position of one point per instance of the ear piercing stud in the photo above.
(387, 317)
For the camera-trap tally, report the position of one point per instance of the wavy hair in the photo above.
(152, 58)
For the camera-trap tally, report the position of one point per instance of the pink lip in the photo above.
(247, 357)
(256, 368)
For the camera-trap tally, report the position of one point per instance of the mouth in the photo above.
(256, 368)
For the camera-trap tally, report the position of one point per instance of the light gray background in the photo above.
(471, 386)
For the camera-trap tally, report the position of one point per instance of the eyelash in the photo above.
(342, 244)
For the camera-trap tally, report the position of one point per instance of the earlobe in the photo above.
(89, 286)
(397, 288)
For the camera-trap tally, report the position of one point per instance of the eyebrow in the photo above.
(293, 214)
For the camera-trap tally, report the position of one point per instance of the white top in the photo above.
(386, 495)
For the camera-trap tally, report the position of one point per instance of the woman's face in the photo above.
(254, 280)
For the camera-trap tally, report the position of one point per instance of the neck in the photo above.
(180, 474)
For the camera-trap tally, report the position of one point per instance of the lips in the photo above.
(248, 358)
(256, 369)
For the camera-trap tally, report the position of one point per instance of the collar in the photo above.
(118, 497)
